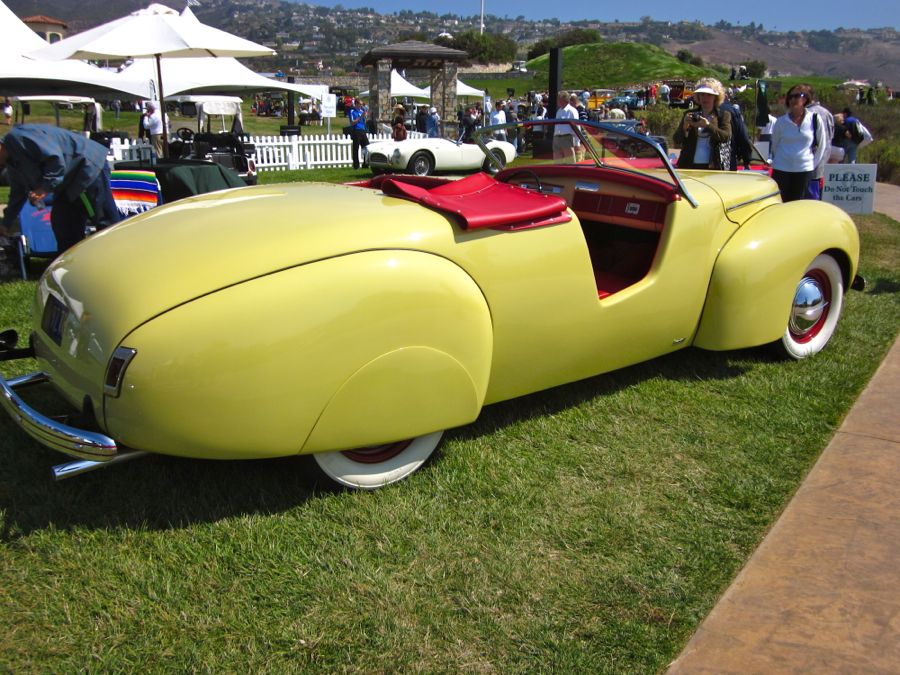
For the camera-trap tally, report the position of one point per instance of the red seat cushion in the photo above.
(480, 201)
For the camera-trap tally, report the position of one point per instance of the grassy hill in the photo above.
(600, 64)
(606, 64)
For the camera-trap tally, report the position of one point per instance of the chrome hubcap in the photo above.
(810, 305)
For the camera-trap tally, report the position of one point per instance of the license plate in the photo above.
(53, 319)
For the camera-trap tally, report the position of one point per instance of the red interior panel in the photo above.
(620, 207)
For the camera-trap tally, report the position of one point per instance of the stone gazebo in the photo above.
(443, 63)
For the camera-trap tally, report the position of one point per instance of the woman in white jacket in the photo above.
(798, 144)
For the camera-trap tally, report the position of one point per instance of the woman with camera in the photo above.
(705, 134)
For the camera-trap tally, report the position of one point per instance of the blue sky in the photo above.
(774, 15)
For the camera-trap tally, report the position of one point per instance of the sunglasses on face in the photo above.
(793, 96)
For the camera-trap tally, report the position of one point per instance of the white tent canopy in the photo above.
(17, 37)
(22, 73)
(400, 88)
(464, 90)
(210, 74)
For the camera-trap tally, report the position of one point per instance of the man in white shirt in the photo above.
(153, 123)
(564, 141)
(498, 116)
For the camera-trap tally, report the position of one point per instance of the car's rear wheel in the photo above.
(420, 164)
(815, 309)
(377, 466)
(492, 168)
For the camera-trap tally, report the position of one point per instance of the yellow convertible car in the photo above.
(358, 322)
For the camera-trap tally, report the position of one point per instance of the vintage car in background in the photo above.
(425, 156)
(681, 93)
(626, 100)
(358, 322)
(599, 97)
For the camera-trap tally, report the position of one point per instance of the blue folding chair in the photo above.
(36, 239)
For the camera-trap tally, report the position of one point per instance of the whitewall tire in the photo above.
(375, 467)
(815, 308)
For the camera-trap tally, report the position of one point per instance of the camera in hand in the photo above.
(695, 116)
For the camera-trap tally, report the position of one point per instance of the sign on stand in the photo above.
(850, 187)
(329, 108)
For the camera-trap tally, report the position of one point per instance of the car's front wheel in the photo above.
(815, 309)
(494, 167)
(377, 466)
(420, 164)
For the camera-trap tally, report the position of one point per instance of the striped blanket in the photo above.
(135, 191)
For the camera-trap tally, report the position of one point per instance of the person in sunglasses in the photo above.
(798, 144)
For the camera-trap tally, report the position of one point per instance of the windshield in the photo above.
(622, 145)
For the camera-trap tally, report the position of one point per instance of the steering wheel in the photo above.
(184, 133)
(526, 172)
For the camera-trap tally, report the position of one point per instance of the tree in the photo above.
(540, 48)
(824, 41)
(756, 68)
(486, 48)
(405, 35)
(578, 36)
(684, 56)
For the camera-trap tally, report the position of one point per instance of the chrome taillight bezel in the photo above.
(115, 371)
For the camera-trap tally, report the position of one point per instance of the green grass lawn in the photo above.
(588, 528)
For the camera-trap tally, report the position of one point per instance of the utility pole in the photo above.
(481, 32)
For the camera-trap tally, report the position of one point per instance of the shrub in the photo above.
(662, 120)
(886, 154)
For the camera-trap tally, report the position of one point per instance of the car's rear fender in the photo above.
(353, 350)
(756, 273)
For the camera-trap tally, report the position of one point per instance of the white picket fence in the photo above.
(274, 153)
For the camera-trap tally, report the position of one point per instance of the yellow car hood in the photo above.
(743, 193)
(126, 275)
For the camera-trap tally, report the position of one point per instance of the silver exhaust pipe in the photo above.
(69, 469)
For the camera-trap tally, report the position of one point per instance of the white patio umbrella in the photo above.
(153, 32)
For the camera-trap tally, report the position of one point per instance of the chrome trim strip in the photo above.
(752, 201)
(63, 438)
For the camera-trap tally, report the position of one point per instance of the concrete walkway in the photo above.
(821, 594)
(887, 200)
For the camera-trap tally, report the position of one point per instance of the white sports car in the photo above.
(424, 156)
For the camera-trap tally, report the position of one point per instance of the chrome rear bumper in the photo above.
(68, 440)
(92, 450)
